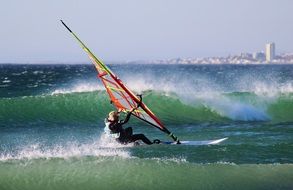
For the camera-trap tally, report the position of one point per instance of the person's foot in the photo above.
(156, 141)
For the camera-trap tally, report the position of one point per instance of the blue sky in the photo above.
(141, 29)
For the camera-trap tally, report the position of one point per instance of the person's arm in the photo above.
(127, 117)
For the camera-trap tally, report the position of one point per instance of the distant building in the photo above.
(259, 56)
(270, 52)
(246, 55)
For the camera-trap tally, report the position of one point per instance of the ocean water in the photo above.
(51, 128)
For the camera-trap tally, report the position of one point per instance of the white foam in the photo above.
(6, 81)
(178, 160)
(81, 87)
(240, 112)
(38, 72)
(226, 106)
(265, 86)
(100, 148)
(272, 89)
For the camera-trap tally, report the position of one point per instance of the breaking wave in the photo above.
(170, 107)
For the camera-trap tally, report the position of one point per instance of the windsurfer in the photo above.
(114, 128)
(122, 97)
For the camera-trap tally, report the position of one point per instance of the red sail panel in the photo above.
(123, 98)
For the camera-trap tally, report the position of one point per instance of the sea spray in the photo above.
(101, 147)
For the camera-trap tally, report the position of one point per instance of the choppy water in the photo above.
(51, 123)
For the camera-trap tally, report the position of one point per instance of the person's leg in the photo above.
(142, 137)
(125, 135)
(128, 131)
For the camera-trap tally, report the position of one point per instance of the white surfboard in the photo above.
(197, 143)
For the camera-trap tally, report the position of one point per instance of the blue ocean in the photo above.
(52, 120)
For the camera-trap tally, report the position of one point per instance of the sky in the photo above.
(129, 30)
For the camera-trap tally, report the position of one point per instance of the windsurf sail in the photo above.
(121, 96)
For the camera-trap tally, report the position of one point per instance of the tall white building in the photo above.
(270, 52)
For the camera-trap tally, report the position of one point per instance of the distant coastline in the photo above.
(243, 58)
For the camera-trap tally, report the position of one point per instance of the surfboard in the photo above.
(196, 143)
(115, 144)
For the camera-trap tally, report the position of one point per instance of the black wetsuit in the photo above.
(126, 135)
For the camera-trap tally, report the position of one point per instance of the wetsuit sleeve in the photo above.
(126, 118)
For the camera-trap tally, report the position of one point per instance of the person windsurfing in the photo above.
(123, 99)
(114, 129)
